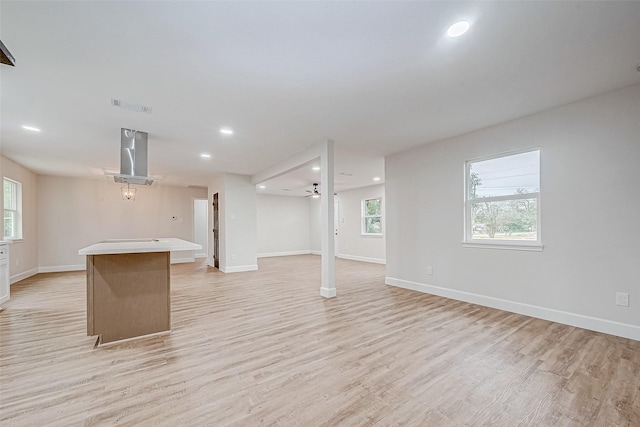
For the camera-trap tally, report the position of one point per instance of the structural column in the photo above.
(327, 246)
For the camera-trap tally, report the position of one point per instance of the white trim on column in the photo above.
(238, 268)
(363, 258)
(288, 253)
(327, 219)
(328, 292)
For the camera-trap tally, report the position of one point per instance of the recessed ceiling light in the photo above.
(316, 168)
(31, 128)
(262, 187)
(376, 178)
(458, 29)
(205, 156)
(226, 131)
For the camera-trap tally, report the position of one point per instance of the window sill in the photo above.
(370, 235)
(11, 241)
(534, 247)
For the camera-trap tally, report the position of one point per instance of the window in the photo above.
(372, 217)
(12, 209)
(502, 203)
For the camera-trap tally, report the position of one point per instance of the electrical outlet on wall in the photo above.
(622, 299)
(429, 270)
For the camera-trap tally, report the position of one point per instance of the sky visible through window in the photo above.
(508, 175)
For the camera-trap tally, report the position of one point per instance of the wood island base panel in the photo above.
(128, 295)
(128, 287)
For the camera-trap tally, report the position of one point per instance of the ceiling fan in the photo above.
(314, 193)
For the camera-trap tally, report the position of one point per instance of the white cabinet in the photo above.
(4, 273)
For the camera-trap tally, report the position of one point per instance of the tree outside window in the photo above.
(12, 209)
(502, 202)
(372, 216)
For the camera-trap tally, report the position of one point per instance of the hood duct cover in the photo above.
(133, 158)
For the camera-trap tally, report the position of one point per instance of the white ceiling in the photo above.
(376, 77)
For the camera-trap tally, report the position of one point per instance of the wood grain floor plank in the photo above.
(263, 348)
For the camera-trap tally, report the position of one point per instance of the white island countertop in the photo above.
(129, 246)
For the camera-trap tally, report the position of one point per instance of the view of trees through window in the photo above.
(372, 216)
(11, 209)
(503, 195)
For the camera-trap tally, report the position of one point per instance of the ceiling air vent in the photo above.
(131, 107)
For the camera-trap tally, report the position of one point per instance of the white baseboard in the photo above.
(61, 268)
(624, 330)
(362, 258)
(201, 255)
(21, 276)
(328, 292)
(182, 260)
(354, 257)
(288, 253)
(238, 268)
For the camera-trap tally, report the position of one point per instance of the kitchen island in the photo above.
(128, 287)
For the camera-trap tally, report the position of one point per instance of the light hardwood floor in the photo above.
(263, 348)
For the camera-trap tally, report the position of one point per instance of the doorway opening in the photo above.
(216, 232)
(200, 229)
(336, 226)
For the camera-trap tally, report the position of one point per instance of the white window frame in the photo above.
(16, 209)
(524, 245)
(363, 222)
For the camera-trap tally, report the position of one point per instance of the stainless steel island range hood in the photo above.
(133, 158)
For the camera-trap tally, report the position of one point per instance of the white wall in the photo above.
(590, 210)
(77, 212)
(315, 227)
(240, 210)
(200, 225)
(282, 225)
(352, 244)
(24, 253)
(237, 215)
